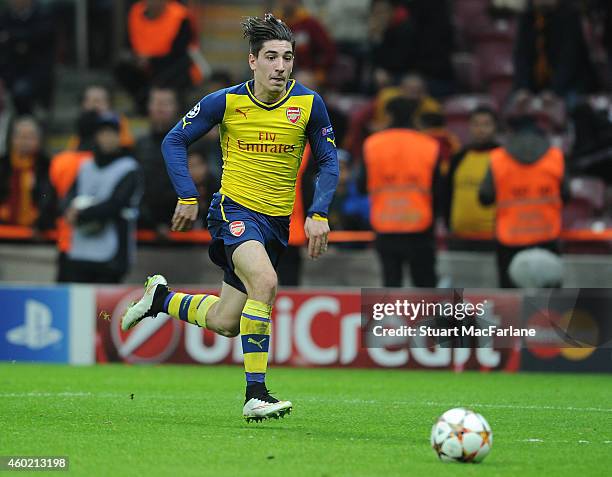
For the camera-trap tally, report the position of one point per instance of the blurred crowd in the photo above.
(474, 72)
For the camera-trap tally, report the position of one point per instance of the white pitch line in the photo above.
(533, 407)
(555, 441)
(68, 394)
(468, 405)
(46, 394)
(312, 399)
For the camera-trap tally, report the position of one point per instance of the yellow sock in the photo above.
(255, 325)
(189, 308)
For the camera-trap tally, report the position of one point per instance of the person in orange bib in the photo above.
(63, 172)
(527, 182)
(402, 171)
(161, 34)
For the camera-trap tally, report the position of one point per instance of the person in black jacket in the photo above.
(550, 51)
(159, 199)
(102, 207)
(27, 54)
(161, 35)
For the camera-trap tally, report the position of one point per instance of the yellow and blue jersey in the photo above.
(262, 147)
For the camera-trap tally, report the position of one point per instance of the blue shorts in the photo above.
(231, 224)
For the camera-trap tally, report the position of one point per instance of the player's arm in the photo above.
(323, 145)
(197, 122)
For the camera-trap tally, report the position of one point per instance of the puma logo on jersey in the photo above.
(185, 123)
(258, 343)
(239, 111)
(333, 141)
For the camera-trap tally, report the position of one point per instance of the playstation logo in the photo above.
(37, 331)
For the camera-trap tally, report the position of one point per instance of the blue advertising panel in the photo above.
(34, 324)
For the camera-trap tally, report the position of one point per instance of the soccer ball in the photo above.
(461, 435)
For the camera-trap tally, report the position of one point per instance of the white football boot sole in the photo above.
(258, 410)
(136, 312)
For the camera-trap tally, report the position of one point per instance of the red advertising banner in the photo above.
(310, 328)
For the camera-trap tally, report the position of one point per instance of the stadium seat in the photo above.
(344, 71)
(495, 59)
(463, 105)
(460, 126)
(562, 141)
(471, 16)
(600, 102)
(496, 67)
(501, 30)
(500, 88)
(590, 189)
(467, 71)
(586, 203)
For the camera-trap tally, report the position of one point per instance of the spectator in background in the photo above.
(217, 80)
(550, 51)
(102, 209)
(159, 199)
(27, 54)
(607, 8)
(463, 211)
(413, 87)
(372, 117)
(527, 181)
(350, 210)
(206, 183)
(393, 50)
(161, 34)
(434, 125)
(209, 145)
(592, 150)
(315, 50)
(414, 38)
(96, 99)
(5, 119)
(434, 36)
(401, 167)
(63, 172)
(23, 173)
(337, 117)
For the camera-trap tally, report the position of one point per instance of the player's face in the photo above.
(272, 66)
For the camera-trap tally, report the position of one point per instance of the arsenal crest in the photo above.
(237, 228)
(294, 114)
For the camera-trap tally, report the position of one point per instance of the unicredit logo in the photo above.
(153, 340)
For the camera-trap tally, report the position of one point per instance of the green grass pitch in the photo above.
(186, 420)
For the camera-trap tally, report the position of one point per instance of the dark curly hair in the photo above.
(259, 30)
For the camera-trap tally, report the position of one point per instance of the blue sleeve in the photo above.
(198, 121)
(323, 144)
